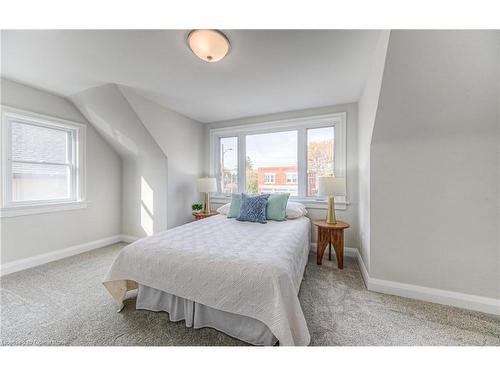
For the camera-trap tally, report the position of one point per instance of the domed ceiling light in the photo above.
(208, 45)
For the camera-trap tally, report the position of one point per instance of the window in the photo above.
(291, 178)
(270, 178)
(228, 168)
(281, 156)
(268, 157)
(320, 157)
(42, 160)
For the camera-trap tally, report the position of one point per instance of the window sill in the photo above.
(41, 208)
(309, 203)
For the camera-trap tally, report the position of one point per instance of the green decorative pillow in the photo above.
(234, 209)
(276, 206)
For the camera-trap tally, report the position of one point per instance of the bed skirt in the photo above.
(196, 315)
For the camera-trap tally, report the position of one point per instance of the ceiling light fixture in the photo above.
(208, 45)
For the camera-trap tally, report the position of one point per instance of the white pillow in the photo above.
(224, 210)
(295, 210)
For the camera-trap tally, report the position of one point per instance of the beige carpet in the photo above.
(63, 303)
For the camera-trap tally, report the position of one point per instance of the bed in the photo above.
(238, 277)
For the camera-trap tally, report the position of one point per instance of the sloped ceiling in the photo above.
(266, 71)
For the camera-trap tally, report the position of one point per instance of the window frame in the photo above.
(76, 132)
(300, 124)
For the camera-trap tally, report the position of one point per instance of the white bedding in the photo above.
(244, 268)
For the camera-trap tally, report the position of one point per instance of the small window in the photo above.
(42, 160)
(228, 168)
(291, 178)
(269, 178)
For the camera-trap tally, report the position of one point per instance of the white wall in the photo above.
(144, 166)
(33, 235)
(367, 109)
(350, 215)
(182, 141)
(435, 163)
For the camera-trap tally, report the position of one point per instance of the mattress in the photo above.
(249, 269)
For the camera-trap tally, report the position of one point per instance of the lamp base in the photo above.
(330, 215)
(206, 204)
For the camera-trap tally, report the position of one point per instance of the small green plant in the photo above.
(197, 206)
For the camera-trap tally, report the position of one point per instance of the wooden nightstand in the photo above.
(201, 215)
(331, 234)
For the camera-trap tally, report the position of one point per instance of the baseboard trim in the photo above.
(440, 296)
(38, 260)
(348, 251)
(128, 239)
(364, 272)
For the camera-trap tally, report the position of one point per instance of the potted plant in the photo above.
(197, 207)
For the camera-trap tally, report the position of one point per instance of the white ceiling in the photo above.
(266, 71)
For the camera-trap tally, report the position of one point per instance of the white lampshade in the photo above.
(208, 45)
(207, 185)
(331, 186)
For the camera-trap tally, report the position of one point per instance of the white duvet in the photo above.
(244, 268)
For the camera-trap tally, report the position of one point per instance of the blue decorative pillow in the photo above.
(253, 208)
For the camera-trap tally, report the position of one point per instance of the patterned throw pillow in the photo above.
(253, 208)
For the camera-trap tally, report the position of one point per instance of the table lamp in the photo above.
(207, 185)
(329, 187)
